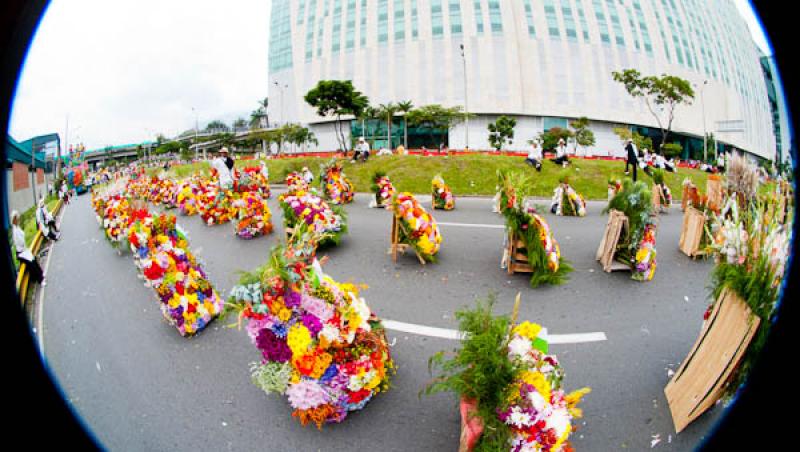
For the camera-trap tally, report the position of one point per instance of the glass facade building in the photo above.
(532, 59)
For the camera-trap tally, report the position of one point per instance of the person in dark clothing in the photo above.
(633, 159)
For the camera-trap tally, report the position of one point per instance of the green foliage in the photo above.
(658, 176)
(661, 95)
(501, 132)
(337, 97)
(272, 376)
(583, 136)
(635, 201)
(216, 126)
(436, 117)
(514, 188)
(626, 134)
(550, 138)
(672, 150)
(479, 370)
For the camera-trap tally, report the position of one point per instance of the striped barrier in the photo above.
(23, 276)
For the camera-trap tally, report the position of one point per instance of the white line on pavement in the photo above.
(472, 225)
(455, 335)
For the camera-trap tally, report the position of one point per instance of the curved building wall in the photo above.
(534, 59)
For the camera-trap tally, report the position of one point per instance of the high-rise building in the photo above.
(543, 62)
(777, 106)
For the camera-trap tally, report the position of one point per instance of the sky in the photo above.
(122, 71)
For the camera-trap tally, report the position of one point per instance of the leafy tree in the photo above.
(582, 134)
(672, 150)
(625, 134)
(436, 117)
(337, 97)
(405, 107)
(239, 123)
(550, 138)
(661, 95)
(501, 131)
(217, 125)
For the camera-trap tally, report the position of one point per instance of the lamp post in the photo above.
(196, 131)
(705, 133)
(466, 103)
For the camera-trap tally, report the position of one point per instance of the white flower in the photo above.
(519, 346)
(558, 421)
(537, 401)
(519, 418)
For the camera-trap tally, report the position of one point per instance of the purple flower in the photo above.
(272, 347)
(312, 323)
(292, 299)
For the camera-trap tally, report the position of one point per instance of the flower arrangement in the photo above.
(216, 206)
(336, 186)
(163, 191)
(114, 216)
(188, 300)
(544, 254)
(515, 385)
(296, 183)
(614, 186)
(566, 201)
(441, 194)
(750, 247)
(637, 247)
(251, 179)
(302, 207)
(383, 189)
(252, 215)
(416, 226)
(320, 343)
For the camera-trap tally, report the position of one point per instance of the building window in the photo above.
(399, 21)
(552, 19)
(414, 20)
(479, 16)
(550, 122)
(336, 36)
(615, 22)
(300, 11)
(350, 39)
(363, 31)
(383, 20)
(455, 17)
(569, 20)
(602, 25)
(437, 27)
(584, 25)
(280, 49)
(495, 16)
(312, 8)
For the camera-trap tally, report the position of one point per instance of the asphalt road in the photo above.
(138, 385)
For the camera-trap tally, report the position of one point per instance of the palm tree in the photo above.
(405, 107)
(388, 110)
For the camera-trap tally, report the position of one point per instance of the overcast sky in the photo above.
(124, 71)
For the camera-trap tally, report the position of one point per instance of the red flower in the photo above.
(358, 396)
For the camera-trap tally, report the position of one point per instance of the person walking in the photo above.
(24, 254)
(535, 156)
(46, 222)
(561, 154)
(633, 159)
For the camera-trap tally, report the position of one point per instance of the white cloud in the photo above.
(126, 70)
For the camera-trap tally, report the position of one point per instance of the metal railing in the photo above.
(23, 276)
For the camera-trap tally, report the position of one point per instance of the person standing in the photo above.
(721, 162)
(561, 153)
(633, 159)
(24, 254)
(223, 170)
(535, 156)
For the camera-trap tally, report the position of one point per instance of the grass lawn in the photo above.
(466, 175)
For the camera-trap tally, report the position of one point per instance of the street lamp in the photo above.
(466, 104)
(196, 131)
(705, 133)
(281, 87)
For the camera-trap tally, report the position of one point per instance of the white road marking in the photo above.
(40, 308)
(472, 225)
(445, 333)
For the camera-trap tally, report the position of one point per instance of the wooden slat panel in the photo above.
(692, 231)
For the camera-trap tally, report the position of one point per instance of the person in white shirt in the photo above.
(46, 222)
(223, 172)
(721, 162)
(307, 176)
(362, 150)
(24, 254)
(561, 153)
(535, 156)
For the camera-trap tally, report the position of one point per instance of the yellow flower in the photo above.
(528, 330)
(573, 399)
(285, 314)
(538, 381)
(563, 438)
(298, 339)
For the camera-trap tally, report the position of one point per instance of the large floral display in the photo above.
(216, 206)
(190, 192)
(114, 215)
(416, 226)
(252, 217)
(509, 384)
(337, 187)
(441, 194)
(163, 192)
(296, 183)
(566, 201)
(383, 189)
(320, 343)
(304, 207)
(543, 251)
(252, 179)
(637, 246)
(188, 300)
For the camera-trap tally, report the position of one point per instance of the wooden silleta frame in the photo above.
(617, 224)
(703, 375)
(692, 232)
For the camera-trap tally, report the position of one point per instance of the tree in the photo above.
(388, 111)
(663, 94)
(550, 138)
(405, 107)
(501, 131)
(217, 126)
(581, 133)
(239, 123)
(337, 97)
(625, 134)
(435, 117)
(672, 150)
